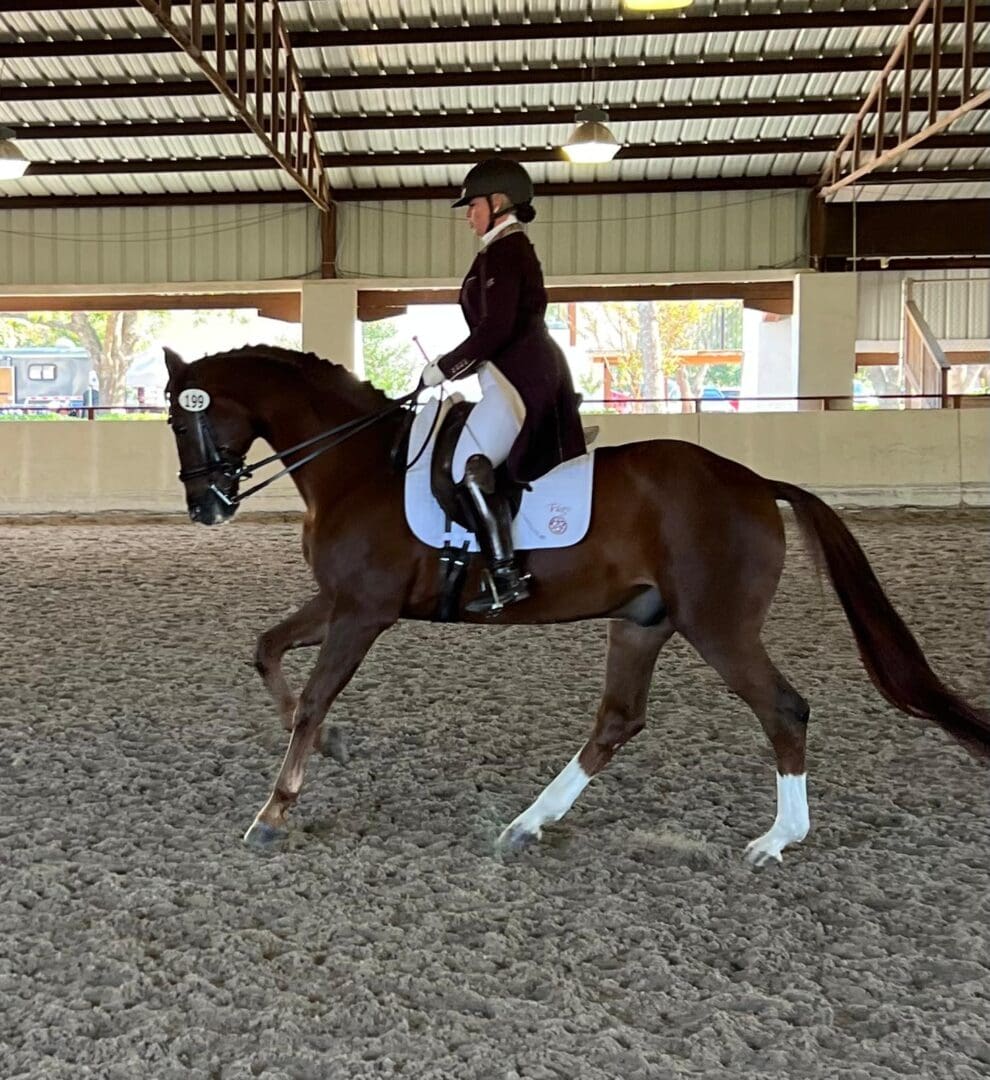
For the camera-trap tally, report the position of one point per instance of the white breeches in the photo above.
(494, 423)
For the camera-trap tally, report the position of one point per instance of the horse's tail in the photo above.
(892, 657)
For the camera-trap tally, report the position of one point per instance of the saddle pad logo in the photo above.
(558, 519)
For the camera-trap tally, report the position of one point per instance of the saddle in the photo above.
(554, 512)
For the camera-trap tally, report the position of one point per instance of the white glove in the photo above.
(433, 375)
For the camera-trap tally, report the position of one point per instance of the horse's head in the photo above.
(212, 434)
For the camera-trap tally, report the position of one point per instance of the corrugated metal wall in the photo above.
(955, 303)
(607, 234)
(611, 234)
(144, 245)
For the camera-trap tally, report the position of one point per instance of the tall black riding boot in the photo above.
(488, 514)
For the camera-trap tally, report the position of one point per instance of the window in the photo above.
(41, 372)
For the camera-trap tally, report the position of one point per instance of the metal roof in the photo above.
(820, 75)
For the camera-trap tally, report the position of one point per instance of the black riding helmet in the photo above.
(495, 175)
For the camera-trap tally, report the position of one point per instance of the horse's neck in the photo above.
(298, 413)
(289, 411)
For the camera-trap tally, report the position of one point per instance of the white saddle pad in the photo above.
(555, 514)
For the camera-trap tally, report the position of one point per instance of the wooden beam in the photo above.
(774, 296)
(930, 228)
(839, 263)
(237, 96)
(955, 357)
(272, 305)
(888, 157)
(701, 357)
(854, 131)
(876, 359)
(179, 198)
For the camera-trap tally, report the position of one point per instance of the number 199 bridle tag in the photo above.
(194, 400)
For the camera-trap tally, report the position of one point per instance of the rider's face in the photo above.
(477, 212)
(477, 215)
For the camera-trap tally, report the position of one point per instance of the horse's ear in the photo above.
(174, 362)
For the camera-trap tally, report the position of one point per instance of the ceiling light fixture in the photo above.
(12, 162)
(655, 5)
(591, 142)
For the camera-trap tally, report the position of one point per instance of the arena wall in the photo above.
(925, 458)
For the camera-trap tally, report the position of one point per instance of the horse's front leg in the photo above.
(307, 626)
(346, 643)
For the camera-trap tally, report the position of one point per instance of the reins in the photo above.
(343, 433)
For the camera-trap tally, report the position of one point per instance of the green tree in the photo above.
(388, 361)
(647, 339)
(112, 338)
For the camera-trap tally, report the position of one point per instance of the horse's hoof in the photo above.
(263, 836)
(517, 838)
(335, 747)
(763, 851)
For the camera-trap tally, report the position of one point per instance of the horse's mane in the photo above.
(321, 375)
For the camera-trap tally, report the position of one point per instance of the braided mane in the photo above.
(323, 376)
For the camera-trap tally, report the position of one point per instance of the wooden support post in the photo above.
(328, 242)
(287, 145)
(220, 37)
(906, 87)
(936, 59)
(196, 24)
(242, 50)
(276, 46)
(881, 118)
(259, 60)
(968, 30)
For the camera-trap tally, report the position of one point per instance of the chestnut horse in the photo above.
(680, 541)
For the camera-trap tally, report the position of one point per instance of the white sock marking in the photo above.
(555, 799)
(791, 824)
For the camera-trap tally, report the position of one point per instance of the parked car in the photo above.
(713, 399)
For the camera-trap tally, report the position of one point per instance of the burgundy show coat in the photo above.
(504, 301)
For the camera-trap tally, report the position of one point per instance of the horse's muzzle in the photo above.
(210, 508)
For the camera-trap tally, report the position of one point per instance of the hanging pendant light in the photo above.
(12, 162)
(655, 5)
(591, 142)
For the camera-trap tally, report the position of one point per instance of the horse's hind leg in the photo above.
(632, 655)
(783, 713)
(307, 626)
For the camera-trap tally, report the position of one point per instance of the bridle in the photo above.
(219, 462)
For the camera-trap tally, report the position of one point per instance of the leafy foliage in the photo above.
(389, 363)
(112, 338)
(646, 338)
